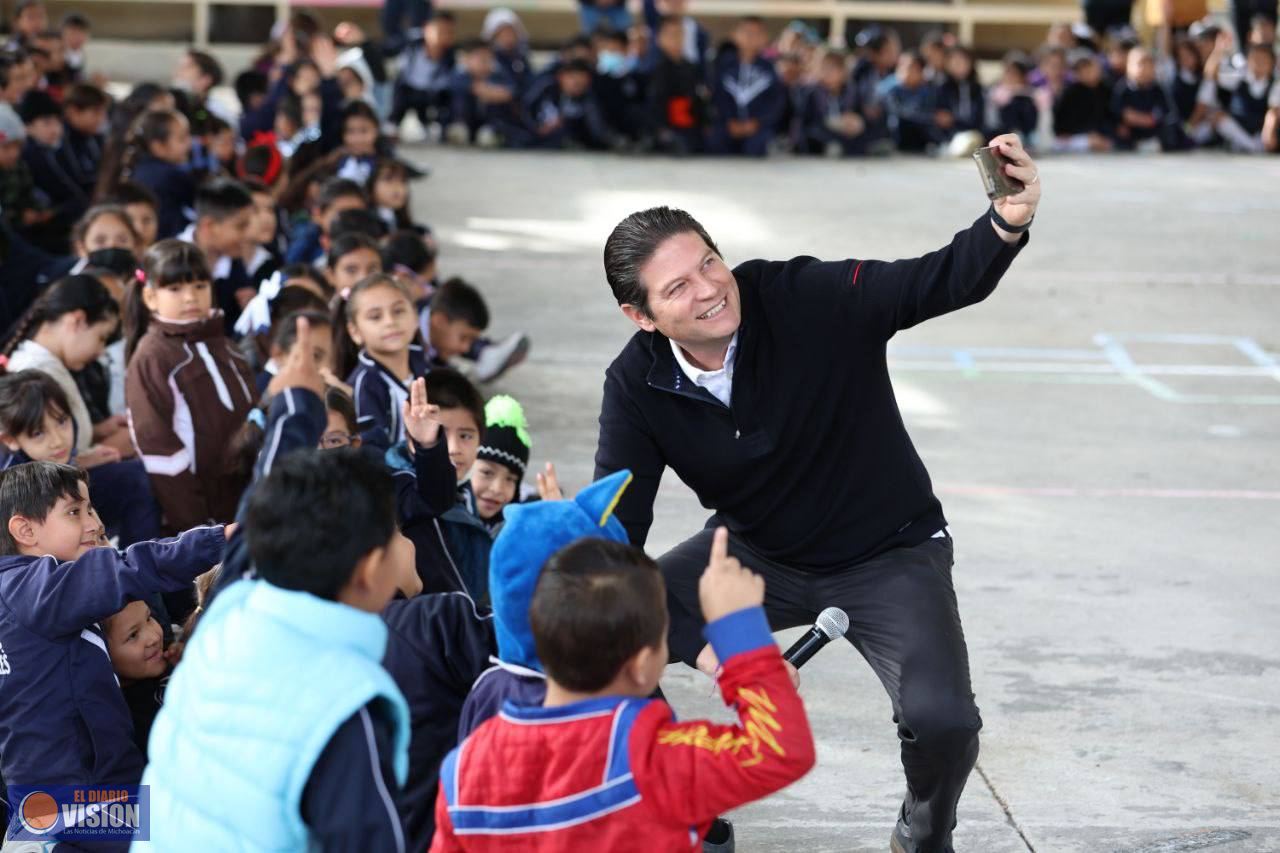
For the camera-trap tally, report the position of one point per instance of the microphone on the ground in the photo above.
(830, 625)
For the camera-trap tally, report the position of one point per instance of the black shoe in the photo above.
(722, 833)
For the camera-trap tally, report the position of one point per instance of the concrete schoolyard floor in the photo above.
(1104, 433)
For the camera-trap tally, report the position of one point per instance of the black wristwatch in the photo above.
(1005, 226)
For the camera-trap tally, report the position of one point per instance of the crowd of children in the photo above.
(662, 85)
(230, 354)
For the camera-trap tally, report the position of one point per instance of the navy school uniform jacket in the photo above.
(48, 169)
(82, 156)
(379, 396)
(751, 91)
(175, 191)
(583, 118)
(497, 685)
(1151, 100)
(63, 718)
(437, 646)
(452, 545)
(965, 101)
(1082, 109)
(746, 461)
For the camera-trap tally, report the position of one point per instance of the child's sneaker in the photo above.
(500, 356)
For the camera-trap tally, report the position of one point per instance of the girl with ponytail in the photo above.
(187, 388)
(154, 154)
(65, 330)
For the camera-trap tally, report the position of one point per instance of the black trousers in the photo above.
(903, 618)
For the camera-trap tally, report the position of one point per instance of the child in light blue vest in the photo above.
(280, 729)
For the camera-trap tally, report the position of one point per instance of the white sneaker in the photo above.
(457, 134)
(434, 133)
(500, 356)
(487, 137)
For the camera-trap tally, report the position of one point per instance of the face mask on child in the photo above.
(612, 63)
(113, 258)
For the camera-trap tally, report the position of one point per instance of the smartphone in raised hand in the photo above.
(991, 168)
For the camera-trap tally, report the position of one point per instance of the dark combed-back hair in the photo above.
(597, 604)
(25, 396)
(358, 109)
(168, 261)
(449, 389)
(345, 349)
(458, 300)
(351, 493)
(337, 400)
(249, 83)
(336, 188)
(632, 244)
(73, 293)
(407, 249)
(131, 192)
(32, 491)
(310, 273)
(357, 220)
(222, 198)
(345, 244)
(208, 66)
(85, 96)
(284, 334)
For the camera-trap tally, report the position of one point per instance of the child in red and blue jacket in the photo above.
(598, 765)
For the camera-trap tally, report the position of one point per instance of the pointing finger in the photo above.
(720, 546)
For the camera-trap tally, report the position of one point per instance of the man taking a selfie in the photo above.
(766, 389)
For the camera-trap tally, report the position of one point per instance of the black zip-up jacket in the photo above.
(811, 462)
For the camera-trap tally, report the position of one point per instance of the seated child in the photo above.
(143, 210)
(532, 535)
(746, 94)
(36, 426)
(960, 104)
(224, 210)
(500, 463)
(157, 157)
(308, 241)
(597, 723)
(19, 205)
(61, 192)
(1144, 118)
(564, 111)
(909, 103)
(1011, 106)
(1248, 96)
(678, 109)
(429, 468)
(295, 655)
(829, 121)
(389, 192)
(263, 253)
(63, 331)
(425, 71)
(506, 35)
(84, 111)
(411, 257)
(170, 314)
(485, 109)
(1081, 118)
(64, 719)
(452, 321)
(135, 643)
(377, 318)
(359, 151)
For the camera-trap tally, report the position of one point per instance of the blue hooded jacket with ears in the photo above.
(531, 534)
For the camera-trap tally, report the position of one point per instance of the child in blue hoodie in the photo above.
(64, 720)
(532, 533)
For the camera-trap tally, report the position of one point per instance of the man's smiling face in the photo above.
(692, 295)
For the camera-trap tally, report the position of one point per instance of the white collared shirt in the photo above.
(718, 382)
